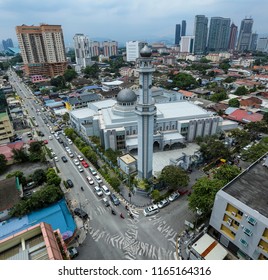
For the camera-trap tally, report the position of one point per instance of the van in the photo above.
(29, 134)
(151, 210)
(105, 190)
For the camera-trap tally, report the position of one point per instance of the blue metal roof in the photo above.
(57, 215)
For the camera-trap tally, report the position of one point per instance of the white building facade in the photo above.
(187, 44)
(133, 49)
(82, 50)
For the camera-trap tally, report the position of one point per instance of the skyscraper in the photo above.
(187, 44)
(82, 50)
(262, 45)
(42, 49)
(145, 110)
(177, 34)
(183, 28)
(219, 32)
(232, 38)
(94, 48)
(110, 48)
(200, 33)
(253, 42)
(8, 43)
(245, 33)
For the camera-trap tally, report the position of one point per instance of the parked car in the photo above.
(69, 183)
(84, 163)
(73, 253)
(50, 137)
(98, 179)
(64, 159)
(90, 180)
(173, 196)
(80, 168)
(80, 157)
(105, 190)
(45, 142)
(163, 203)
(60, 140)
(98, 191)
(56, 158)
(80, 213)
(76, 161)
(92, 170)
(114, 199)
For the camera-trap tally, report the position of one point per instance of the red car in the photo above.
(84, 163)
(45, 142)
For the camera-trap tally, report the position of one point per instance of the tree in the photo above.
(225, 65)
(3, 163)
(69, 75)
(39, 176)
(226, 173)
(52, 178)
(234, 102)
(241, 91)
(174, 177)
(242, 137)
(66, 117)
(265, 117)
(20, 155)
(217, 97)
(184, 81)
(92, 71)
(213, 149)
(203, 195)
(114, 182)
(58, 82)
(256, 151)
(70, 133)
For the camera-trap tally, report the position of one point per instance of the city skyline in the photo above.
(135, 20)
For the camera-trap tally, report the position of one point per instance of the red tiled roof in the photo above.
(186, 93)
(6, 149)
(245, 116)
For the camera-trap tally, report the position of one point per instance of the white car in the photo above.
(163, 203)
(151, 210)
(173, 196)
(80, 168)
(90, 180)
(98, 191)
(98, 179)
(56, 158)
(76, 161)
(50, 137)
(80, 157)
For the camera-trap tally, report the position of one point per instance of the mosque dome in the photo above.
(126, 96)
(145, 51)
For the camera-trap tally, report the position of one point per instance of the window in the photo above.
(251, 221)
(247, 231)
(240, 213)
(243, 242)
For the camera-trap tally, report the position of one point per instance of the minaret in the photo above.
(145, 110)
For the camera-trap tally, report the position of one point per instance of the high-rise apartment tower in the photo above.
(82, 50)
(42, 49)
(233, 37)
(245, 33)
(200, 33)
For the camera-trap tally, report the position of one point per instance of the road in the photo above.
(109, 236)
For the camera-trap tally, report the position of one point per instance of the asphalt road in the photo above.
(109, 236)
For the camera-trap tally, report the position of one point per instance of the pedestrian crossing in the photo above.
(130, 244)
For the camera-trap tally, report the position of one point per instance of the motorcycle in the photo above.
(131, 216)
(113, 212)
(82, 188)
(121, 216)
(126, 207)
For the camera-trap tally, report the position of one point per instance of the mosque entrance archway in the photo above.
(156, 146)
(177, 145)
(166, 147)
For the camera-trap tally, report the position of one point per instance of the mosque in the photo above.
(135, 122)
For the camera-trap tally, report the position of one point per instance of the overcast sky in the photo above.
(124, 20)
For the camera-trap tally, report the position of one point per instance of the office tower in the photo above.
(94, 48)
(177, 34)
(253, 42)
(245, 33)
(110, 48)
(42, 49)
(232, 38)
(187, 44)
(183, 28)
(200, 34)
(219, 32)
(133, 49)
(146, 111)
(262, 45)
(8, 43)
(82, 50)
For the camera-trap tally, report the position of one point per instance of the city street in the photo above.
(109, 236)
